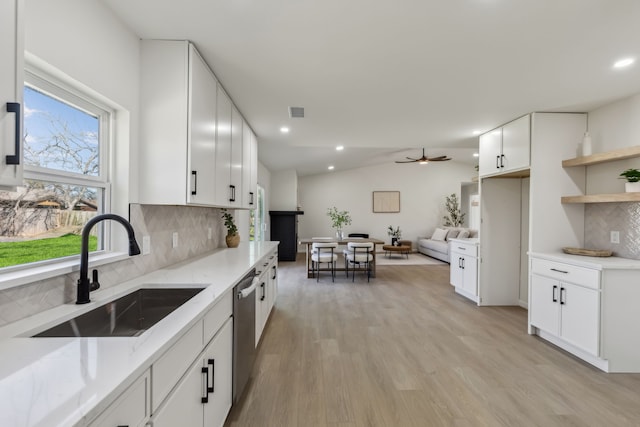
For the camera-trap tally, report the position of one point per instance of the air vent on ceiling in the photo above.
(296, 112)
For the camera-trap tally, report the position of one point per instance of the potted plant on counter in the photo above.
(633, 180)
(338, 220)
(232, 238)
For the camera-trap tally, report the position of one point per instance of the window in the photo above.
(257, 224)
(66, 146)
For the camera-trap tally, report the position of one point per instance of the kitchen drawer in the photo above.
(463, 248)
(582, 276)
(216, 317)
(167, 370)
(131, 408)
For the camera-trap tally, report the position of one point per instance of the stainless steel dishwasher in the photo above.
(244, 331)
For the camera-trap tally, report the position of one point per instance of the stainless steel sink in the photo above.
(127, 316)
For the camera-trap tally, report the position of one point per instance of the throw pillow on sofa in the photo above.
(463, 234)
(439, 234)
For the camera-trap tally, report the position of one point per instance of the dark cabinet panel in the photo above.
(284, 228)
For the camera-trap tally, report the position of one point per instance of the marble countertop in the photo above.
(69, 381)
(598, 263)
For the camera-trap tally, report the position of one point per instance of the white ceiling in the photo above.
(380, 77)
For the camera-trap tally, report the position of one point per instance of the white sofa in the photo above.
(437, 245)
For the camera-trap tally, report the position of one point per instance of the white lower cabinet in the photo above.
(266, 291)
(203, 395)
(464, 267)
(131, 408)
(192, 380)
(570, 312)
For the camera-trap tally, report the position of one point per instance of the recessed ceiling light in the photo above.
(284, 129)
(476, 155)
(624, 63)
(477, 132)
(339, 148)
(330, 168)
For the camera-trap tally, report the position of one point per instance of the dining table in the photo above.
(310, 241)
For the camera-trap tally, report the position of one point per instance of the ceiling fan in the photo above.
(424, 159)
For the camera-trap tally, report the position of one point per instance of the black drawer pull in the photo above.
(559, 271)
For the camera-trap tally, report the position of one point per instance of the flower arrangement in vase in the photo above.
(395, 234)
(338, 220)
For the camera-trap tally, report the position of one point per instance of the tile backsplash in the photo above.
(602, 218)
(157, 222)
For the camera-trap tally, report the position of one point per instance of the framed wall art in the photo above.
(386, 201)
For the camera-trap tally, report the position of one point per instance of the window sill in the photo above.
(24, 276)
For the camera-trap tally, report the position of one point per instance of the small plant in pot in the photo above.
(633, 180)
(338, 220)
(232, 238)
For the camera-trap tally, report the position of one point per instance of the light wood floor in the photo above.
(404, 350)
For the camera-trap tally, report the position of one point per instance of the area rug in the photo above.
(414, 259)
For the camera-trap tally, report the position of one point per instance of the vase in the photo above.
(340, 234)
(632, 187)
(232, 240)
(394, 241)
(586, 144)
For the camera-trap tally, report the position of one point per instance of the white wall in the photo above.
(284, 190)
(88, 44)
(423, 189)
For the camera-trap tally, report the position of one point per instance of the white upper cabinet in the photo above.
(237, 158)
(223, 150)
(11, 84)
(191, 149)
(506, 149)
(250, 167)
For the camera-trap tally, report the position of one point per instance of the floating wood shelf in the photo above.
(602, 198)
(609, 156)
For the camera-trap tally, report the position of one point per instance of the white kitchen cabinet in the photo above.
(178, 123)
(131, 408)
(192, 381)
(11, 86)
(203, 395)
(506, 149)
(237, 159)
(223, 150)
(464, 267)
(266, 291)
(250, 167)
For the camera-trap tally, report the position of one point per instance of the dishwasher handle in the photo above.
(244, 293)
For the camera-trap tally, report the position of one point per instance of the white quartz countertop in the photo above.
(69, 381)
(598, 263)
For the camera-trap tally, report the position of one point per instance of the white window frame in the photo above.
(71, 92)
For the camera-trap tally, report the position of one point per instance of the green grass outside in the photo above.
(16, 253)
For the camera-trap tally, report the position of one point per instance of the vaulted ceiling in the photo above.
(386, 78)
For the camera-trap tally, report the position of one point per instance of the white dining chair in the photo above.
(359, 256)
(324, 253)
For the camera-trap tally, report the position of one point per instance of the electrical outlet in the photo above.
(209, 233)
(146, 245)
(175, 239)
(615, 237)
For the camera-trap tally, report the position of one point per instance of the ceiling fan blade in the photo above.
(439, 159)
(407, 161)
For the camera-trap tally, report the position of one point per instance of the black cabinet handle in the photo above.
(501, 160)
(250, 197)
(263, 292)
(14, 107)
(563, 291)
(274, 272)
(559, 271)
(497, 162)
(194, 175)
(463, 263)
(212, 363)
(232, 198)
(553, 293)
(205, 398)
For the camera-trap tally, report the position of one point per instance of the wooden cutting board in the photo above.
(587, 252)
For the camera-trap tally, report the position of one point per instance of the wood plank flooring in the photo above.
(405, 350)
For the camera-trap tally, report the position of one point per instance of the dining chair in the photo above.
(358, 255)
(324, 253)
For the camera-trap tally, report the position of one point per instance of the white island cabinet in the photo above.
(11, 83)
(464, 267)
(588, 307)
